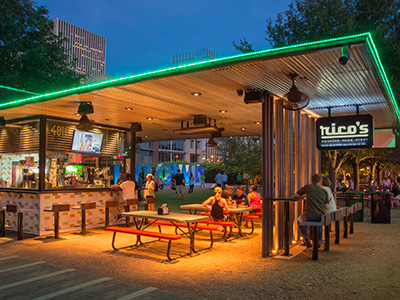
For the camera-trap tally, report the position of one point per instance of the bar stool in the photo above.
(128, 203)
(149, 203)
(13, 208)
(83, 207)
(56, 209)
(109, 204)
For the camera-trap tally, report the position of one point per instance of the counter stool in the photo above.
(83, 207)
(149, 203)
(56, 209)
(13, 208)
(128, 203)
(109, 204)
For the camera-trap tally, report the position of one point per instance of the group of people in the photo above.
(223, 200)
(319, 201)
(130, 189)
(342, 187)
(178, 183)
(388, 185)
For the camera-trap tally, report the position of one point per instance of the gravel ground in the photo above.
(365, 266)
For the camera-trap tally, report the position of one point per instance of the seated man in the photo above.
(240, 196)
(317, 204)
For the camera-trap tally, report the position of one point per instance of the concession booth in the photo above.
(50, 155)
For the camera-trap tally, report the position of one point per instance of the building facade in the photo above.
(88, 48)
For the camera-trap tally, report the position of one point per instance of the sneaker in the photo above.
(120, 218)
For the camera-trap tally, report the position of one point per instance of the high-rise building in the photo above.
(88, 48)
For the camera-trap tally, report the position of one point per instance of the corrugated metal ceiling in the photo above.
(168, 100)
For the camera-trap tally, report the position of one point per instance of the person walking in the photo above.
(202, 181)
(191, 183)
(178, 179)
(218, 179)
(317, 204)
(239, 178)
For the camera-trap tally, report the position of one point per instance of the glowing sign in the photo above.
(345, 132)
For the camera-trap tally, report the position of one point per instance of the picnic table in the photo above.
(239, 211)
(174, 219)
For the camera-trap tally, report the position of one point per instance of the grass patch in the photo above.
(171, 198)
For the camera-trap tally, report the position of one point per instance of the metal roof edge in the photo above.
(370, 45)
(209, 64)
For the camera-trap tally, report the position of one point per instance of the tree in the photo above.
(32, 56)
(311, 20)
(241, 154)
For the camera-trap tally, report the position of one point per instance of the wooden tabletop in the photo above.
(172, 216)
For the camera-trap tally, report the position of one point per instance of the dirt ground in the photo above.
(364, 266)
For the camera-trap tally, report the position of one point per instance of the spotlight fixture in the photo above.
(196, 93)
(223, 111)
(257, 122)
(253, 96)
(128, 108)
(146, 136)
(345, 55)
(136, 127)
(243, 128)
(149, 118)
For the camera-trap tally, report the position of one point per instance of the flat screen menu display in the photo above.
(87, 142)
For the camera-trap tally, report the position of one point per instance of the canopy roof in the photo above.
(166, 95)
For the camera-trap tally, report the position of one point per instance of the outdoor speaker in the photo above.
(253, 97)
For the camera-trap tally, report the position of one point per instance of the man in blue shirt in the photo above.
(240, 196)
(218, 179)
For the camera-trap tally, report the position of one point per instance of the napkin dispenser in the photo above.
(163, 210)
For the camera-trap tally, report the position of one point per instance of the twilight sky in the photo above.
(142, 35)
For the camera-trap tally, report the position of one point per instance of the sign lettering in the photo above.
(348, 132)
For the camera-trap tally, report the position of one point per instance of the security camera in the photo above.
(239, 92)
(345, 56)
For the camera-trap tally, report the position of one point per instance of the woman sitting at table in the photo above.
(218, 204)
(254, 199)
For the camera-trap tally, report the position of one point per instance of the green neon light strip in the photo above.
(17, 90)
(381, 69)
(358, 38)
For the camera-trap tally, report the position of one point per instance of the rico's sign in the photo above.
(345, 132)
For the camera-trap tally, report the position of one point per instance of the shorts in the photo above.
(225, 218)
(179, 189)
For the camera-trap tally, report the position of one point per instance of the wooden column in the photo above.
(280, 161)
(289, 165)
(297, 169)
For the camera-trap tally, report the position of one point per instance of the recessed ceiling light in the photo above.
(149, 118)
(146, 136)
(128, 108)
(196, 93)
(223, 111)
(258, 122)
(76, 114)
(243, 128)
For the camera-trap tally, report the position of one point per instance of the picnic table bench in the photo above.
(138, 233)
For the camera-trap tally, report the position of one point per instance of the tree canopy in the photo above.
(312, 20)
(32, 56)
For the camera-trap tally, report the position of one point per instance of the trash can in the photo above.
(380, 207)
(351, 197)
